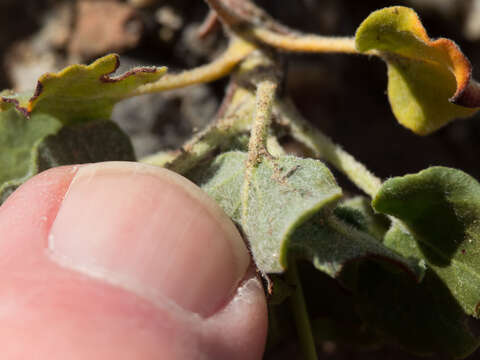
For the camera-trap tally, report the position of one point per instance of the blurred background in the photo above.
(343, 95)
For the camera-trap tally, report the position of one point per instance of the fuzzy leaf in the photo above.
(429, 81)
(283, 193)
(29, 146)
(95, 141)
(80, 92)
(284, 213)
(358, 212)
(440, 209)
(330, 244)
(19, 140)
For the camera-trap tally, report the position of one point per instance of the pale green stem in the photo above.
(300, 313)
(160, 159)
(273, 146)
(323, 147)
(220, 67)
(236, 120)
(201, 146)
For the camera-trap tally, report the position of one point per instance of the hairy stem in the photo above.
(263, 118)
(237, 51)
(214, 137)
(257, 145)
(252, 22)
(305, 43)
(322, 146)
(199, 148)
(234, 121)
(300, 313)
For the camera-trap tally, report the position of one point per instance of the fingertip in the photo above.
(67, 310)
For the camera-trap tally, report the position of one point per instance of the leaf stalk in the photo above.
(297, 42)
(238, 50)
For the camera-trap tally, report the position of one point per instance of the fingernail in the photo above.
(150, 231)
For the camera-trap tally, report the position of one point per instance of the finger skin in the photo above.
(49, 312)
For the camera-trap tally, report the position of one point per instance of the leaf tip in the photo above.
(468, 95)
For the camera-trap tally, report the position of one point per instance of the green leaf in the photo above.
(19, 140)
(283, 193)
(29, 146)
(78, 94)
(81, 93)
(95, 141)
(284, 214)
(440, 209)
(358, 212)
(429, 81)
(423, 318)
(330, 244)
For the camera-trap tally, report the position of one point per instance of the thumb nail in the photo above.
(150, 231)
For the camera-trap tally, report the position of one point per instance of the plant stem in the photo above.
(263, 118)
(200, 147)
(235, 120)
(208, 24)
(322, 146)
(236, 51)
(257, 145)
(159, 159)
(299, 308)
(205, 143)
(273, 146)
(250, 21)
(305, 43)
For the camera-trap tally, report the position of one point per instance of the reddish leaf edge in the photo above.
(27, 109)
(467, 93)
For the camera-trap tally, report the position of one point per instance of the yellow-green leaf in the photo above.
(429, 81)
(81, 92)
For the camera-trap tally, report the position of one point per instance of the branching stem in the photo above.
(222, 66)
